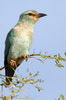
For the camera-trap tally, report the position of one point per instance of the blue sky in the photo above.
(49, 36)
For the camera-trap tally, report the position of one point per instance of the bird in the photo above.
(18, 42)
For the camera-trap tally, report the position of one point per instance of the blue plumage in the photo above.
(18, 42)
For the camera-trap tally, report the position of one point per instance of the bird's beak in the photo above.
(41, 15)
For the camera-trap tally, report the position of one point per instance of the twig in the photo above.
(50, 57)
(2, 68)
(43, 56)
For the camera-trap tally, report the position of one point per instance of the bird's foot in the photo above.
(13, 63)
(26, 57)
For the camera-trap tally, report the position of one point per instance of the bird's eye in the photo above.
(30, 14)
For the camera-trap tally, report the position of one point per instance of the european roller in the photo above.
(18, 42)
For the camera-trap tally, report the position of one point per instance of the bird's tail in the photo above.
(9, 72)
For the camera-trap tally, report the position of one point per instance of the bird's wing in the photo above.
(8, 44)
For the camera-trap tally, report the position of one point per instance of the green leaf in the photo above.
(36, 74)
(59, 65)
(55, 55)
(65, 53)
(40, 80)
(62, 97)
(39, 88)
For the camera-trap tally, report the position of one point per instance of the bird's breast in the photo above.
(21, 44)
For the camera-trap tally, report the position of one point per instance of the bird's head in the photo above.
(31, 15)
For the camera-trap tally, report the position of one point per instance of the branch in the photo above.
(21, 82)
(2, 68)
(55, 57)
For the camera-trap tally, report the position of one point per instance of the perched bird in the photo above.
(18, 42)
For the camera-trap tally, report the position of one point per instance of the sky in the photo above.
(49, 36)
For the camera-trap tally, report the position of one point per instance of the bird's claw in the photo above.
(12, 63)
(26, 57)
